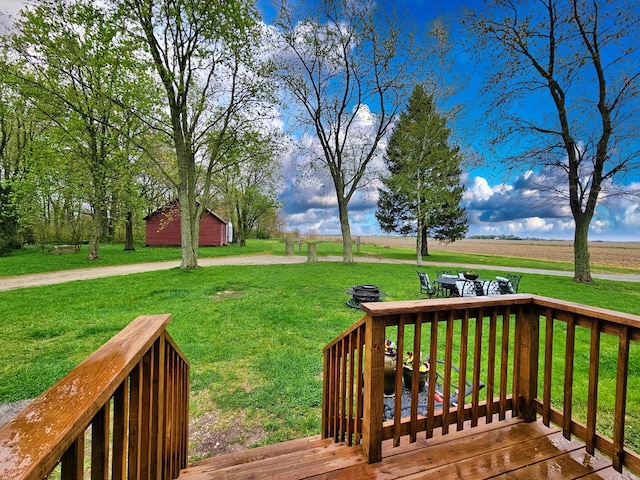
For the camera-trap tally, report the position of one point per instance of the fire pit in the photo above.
(364, 293)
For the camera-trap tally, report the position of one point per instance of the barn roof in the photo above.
(175, 202)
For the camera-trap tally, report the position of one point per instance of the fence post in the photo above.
(373, 389)
(528, 345)
(312, 253)
(288, 246)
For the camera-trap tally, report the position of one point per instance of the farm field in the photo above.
(609, 254)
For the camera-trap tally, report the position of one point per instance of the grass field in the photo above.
(253, 334)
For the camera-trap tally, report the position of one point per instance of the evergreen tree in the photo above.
(422, 192)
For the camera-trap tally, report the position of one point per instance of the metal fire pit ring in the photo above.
(364, 293)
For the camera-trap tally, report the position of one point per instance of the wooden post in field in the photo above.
(288, 246)
(312, 255)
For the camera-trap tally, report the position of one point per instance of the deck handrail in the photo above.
(132, 393)
(501, 344)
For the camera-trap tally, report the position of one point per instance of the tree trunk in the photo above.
(188, 232)
(347, 249)
(189, 221)
(96, 231)
(419, 239)
(425, 245)
(582, 269)
(128, 236)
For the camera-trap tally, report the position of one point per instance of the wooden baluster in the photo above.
(592, 400)
(622, 376)
(397, 412)
(100, 444)
(504, 362)
(462, 378)
(448, 353)
(352, 374)
(170, 438)
(343, 389)
(417, 335)
(135, 406)
(548, 367)
(326, 394)
(568, 377)
(72, 462)
(184, 413)
(326, 397)
(120, 439)
(359, 384)
(147, 405)
(433, 358)
(477, 358)
(334, 379)
(517, 342)
(157, 412)
(491, 364)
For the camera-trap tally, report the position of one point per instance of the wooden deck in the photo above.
(506, 449)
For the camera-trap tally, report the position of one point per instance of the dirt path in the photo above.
(50, 278)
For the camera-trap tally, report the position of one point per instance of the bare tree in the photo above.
(566, 86)
(347, 68)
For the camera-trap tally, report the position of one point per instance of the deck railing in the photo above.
(515, 355)
(122, 413)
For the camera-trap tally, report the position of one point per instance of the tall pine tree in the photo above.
(422, 193)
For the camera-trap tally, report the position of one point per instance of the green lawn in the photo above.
(253, 334)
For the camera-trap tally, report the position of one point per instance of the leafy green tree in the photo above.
(422, 193)
(75, 62)
(249, 185)
(205, 55)
(565, 86)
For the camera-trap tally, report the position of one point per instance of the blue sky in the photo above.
(498, 201)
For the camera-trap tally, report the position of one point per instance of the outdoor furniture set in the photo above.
(466, 284)
(423, 389)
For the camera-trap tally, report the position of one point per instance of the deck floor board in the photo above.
(510, 448)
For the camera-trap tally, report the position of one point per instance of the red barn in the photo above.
(163, 227)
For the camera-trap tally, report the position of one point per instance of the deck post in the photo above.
(373, 389)
(528, 337)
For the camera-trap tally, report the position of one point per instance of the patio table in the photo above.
(458, 290)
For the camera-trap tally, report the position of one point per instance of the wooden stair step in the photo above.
(288, 460)
(267, 451)
(439, 454)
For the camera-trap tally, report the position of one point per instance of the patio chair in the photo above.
(515, 281)
(440, 290)
(504, 285)
(425, 285)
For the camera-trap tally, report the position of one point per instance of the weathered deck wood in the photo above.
(508, 448)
